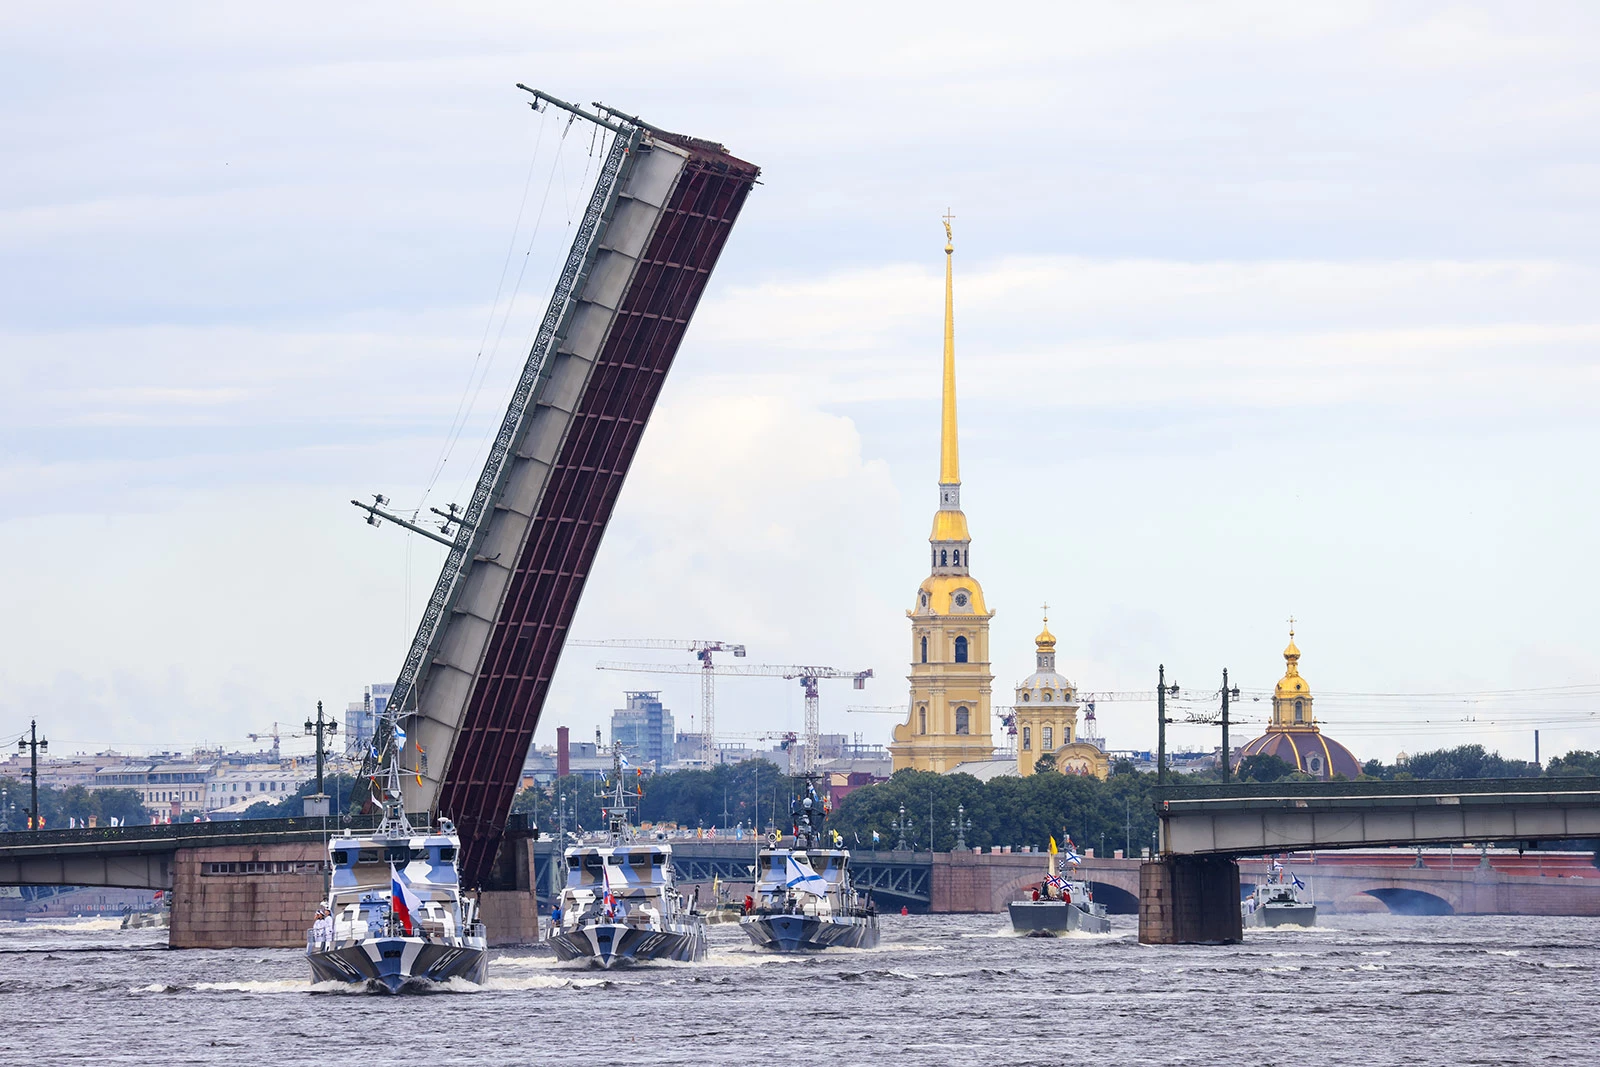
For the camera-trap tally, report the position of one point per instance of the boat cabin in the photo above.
(361, 883)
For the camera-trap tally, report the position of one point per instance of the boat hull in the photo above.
(808, 933)
(609, 945)
(1050, 918)
(390, 964)
(1283, 915)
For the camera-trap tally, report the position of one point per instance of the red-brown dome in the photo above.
(1305, 750)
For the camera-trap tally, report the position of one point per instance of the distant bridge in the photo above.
(895, 879)
(1242, 820)
(143, 857)
(1191, 892)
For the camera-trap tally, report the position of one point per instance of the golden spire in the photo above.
(949, 522)
(949, 455)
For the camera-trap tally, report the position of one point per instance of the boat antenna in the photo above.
(618, 826)
(395, 823)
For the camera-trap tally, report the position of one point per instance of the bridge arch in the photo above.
(1411, 901)
(1118, 901)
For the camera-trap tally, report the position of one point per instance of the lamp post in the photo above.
(961, 824)
(32, 744)
(902, 826)
(1227, 753)
(1162, 690)
(319, 728)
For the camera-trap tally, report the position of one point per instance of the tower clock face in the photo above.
(961, 600)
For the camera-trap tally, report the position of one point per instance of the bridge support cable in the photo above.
(473, 527)
(476, 676)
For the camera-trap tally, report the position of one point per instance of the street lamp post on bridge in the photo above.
(319, 728)
(902, 826)
(32, 744)
(961, 824)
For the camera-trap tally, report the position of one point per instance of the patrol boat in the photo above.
(1277, 901)
(804, 898)
(621, 904)
(395, 916)
(1061, 904)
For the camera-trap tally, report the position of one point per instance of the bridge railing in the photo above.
(1417, 787)
(182, 835)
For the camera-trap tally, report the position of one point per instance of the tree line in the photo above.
(1111, 814)
(1118, 813)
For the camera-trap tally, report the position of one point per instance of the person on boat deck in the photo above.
(1035, 892)
(749, 904)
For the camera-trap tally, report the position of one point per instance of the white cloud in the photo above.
(1260, 309)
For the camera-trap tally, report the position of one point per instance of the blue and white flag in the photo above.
(399, 736)
(625, 763)
(1071, 857)
(1298, 884)
(800, 876)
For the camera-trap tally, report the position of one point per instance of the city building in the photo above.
(584, 758)
(948, 722)
(361, 718)
(1293, 735)
(644, 728)
(161, 782)
(1046, 712)
(235, 788)
(62, 772)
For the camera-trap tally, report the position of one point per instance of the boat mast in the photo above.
(618, 827)
(395, 823)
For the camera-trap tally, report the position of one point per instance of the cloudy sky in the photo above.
(1262, 310)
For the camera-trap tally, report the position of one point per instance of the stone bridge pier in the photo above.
(1187, 900)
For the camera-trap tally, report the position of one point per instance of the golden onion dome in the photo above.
(1291, 684)
(1046, 640)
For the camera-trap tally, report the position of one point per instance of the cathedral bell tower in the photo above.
(950, 679)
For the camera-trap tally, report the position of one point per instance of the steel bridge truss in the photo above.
(478, 671)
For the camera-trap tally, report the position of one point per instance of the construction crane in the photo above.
(708, 687)
(276, 758)
(808, 676)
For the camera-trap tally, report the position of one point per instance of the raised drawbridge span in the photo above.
(479, 668)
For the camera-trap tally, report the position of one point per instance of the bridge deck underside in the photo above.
(588, 473)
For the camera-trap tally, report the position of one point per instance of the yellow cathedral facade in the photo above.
(1046, 711)
(950, 671)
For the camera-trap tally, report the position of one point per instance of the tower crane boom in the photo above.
(808, 676)
(702, 650)
(277, 755)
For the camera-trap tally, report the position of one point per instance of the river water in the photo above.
(941, 990)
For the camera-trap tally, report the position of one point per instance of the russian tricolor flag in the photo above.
(407, 907)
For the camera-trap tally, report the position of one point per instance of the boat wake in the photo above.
(550, 981)
(71, 925)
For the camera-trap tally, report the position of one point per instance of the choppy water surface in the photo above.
(940, 990)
